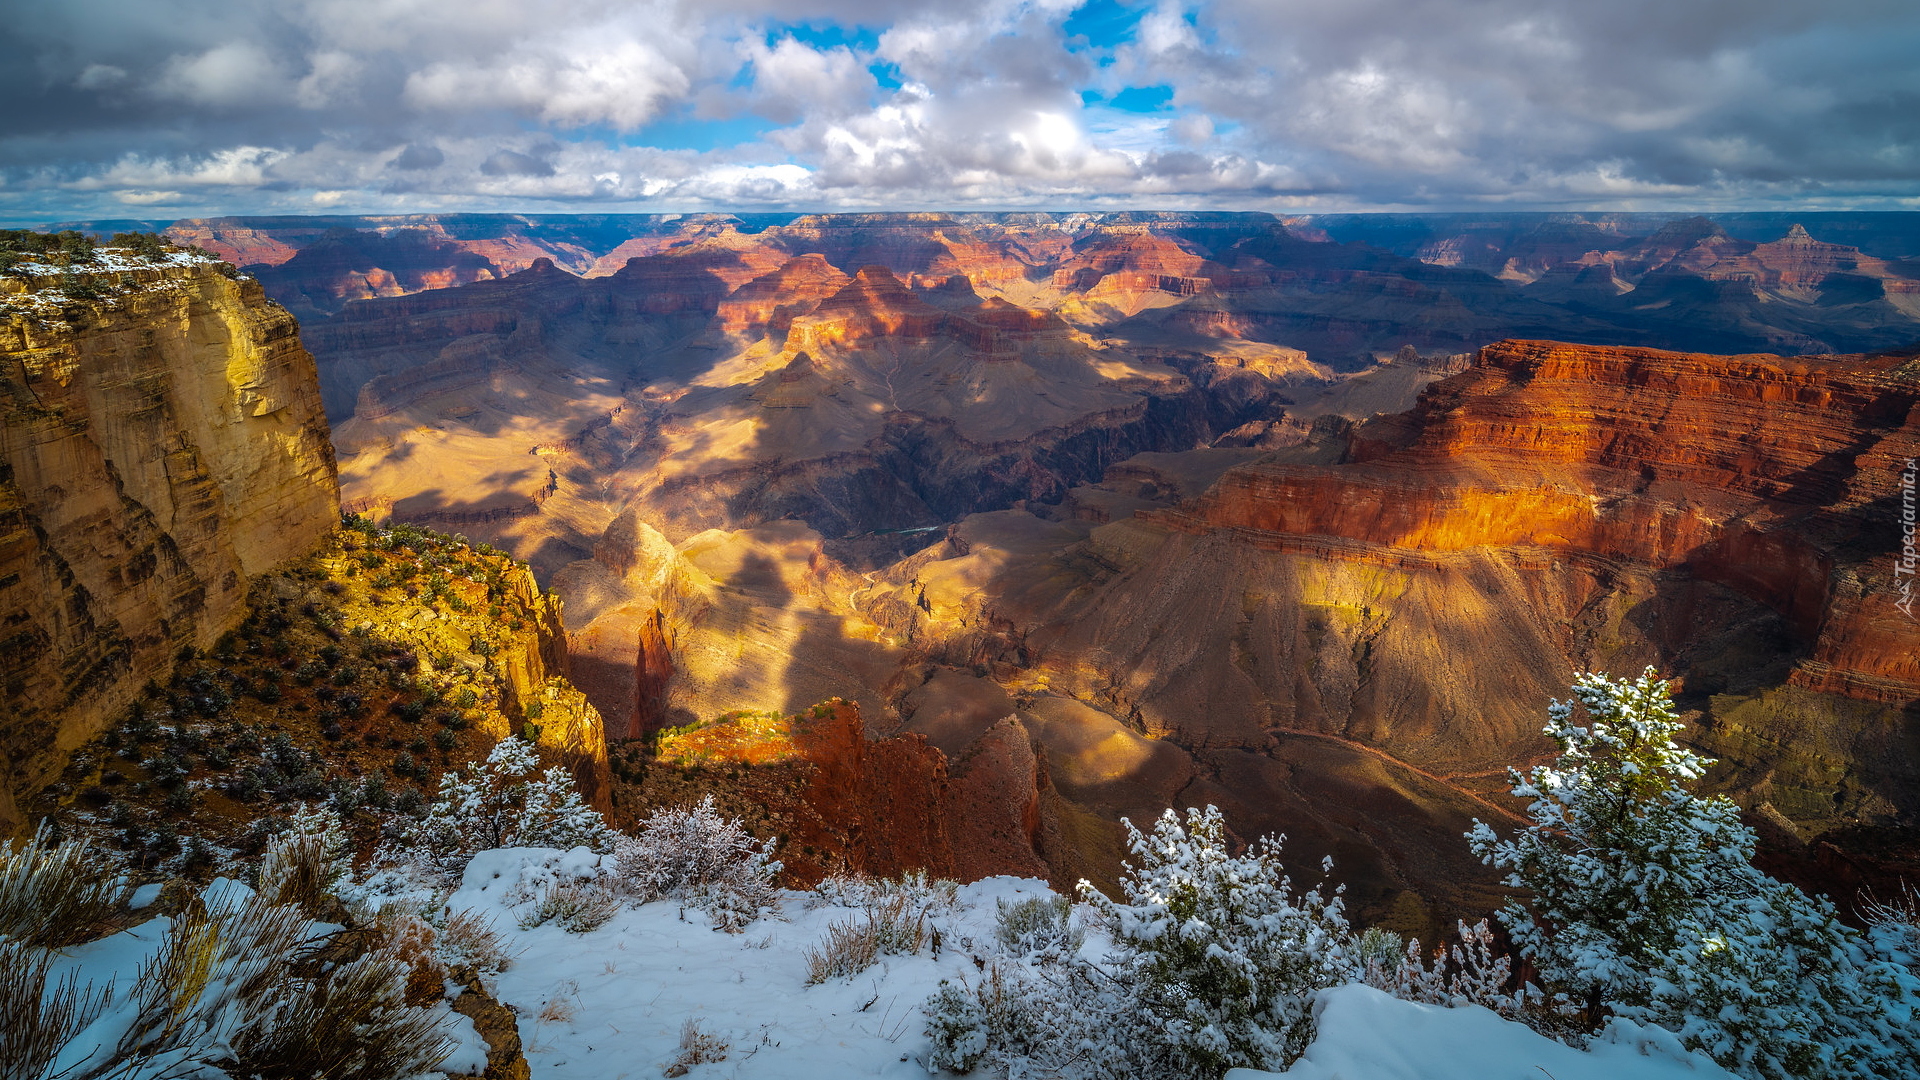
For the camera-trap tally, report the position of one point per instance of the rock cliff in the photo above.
(1387, 607)
(163, 442)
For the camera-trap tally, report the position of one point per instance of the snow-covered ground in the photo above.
(611, 1003)
(617, 997)
(1365, 1034)
(625, 989)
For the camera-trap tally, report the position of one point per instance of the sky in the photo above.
(178, 108)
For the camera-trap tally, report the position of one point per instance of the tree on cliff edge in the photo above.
(1645, 906)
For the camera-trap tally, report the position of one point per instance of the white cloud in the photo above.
(505, 103)
(235, 73)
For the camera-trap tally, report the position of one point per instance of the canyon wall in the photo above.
(1349, 640)
(163, 442)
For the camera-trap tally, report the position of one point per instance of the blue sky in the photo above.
(194, 107)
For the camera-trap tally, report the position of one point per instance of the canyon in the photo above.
(1197, 508)
(1074, 517)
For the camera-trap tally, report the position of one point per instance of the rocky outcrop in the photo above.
(162, 444)
(846, 801)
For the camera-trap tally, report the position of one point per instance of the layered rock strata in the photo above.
(161, 445)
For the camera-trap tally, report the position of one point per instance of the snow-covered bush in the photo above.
(1469, 972)
(698, 1046)
(504, 802)
(1214, 964)
(236, 987)
(467, 939)
(1037, 925)
(57, 895)
(1060, 1019)
(573, 905)
(1893, 926)
(701, 859)
(1645, 906)
(859, 890)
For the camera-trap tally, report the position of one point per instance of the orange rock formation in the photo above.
(158, 450)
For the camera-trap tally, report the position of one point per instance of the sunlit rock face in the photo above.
(1395, 602)
(158, 450)
(1191, 507)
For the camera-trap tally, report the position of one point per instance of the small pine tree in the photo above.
(504, 802)
(1644, 905)
(1224, 956)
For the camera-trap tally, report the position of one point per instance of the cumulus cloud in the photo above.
(225, 106)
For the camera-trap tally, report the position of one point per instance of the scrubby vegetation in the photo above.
(336, 690)
(1644, 904)
(243, 982)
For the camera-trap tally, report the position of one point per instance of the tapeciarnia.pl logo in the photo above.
(1909, 560)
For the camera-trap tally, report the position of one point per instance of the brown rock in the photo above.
(496, 1024)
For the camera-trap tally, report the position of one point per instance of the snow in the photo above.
(1367, 1035)
(609, 1004)
(107, 260)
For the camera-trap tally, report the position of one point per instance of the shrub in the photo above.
(304, 862)
(1645, 905)
(53, 896)
(1214, 965)
(890, 926)
(697, 1047)
(468, 939)
(1062, 1021)
(702, 859)
(1468, 973)
(1223, 956)
(574, 905)
(237, 984)
(861, 891)
(1041, 924)
(503, 803)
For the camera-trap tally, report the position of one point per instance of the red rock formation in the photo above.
(846, 801)
(768, 304)
(1729, 467)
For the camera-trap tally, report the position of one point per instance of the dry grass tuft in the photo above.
(36, 1025)
(469, 940)
(575, 906)
(416, 943)
(295, 871)
(697, 1047)
(894, 926)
